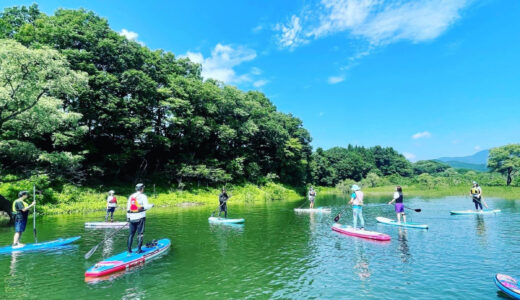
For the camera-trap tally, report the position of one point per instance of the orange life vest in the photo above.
(134, 205)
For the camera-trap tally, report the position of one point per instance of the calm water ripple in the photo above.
(282, 255)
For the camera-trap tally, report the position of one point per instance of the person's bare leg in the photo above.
(404, 217)
(16, 238)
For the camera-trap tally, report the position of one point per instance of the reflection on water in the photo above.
(403, 244)
(362, 267)
(281, 254)
(481, 229)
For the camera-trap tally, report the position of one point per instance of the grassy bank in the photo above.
(505, 192)
(81, 200)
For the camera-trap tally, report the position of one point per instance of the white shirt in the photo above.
(109, 198)
(396, 195)
(143, 201)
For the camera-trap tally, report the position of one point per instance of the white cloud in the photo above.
(256, 71)
(409, 156)
(477, 147)
(291, 35)
(260, 83)
(130, 35)
(335, 79)
(257, 29)
(420, 135)
(220, 65)
(377, 22)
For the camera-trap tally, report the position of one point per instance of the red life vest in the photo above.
(114, 200)
(134, 205)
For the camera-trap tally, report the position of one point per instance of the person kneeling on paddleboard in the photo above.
(476, 196)
(357, 206)
(136, 214)
(312, 195)
(20, 212)
(399, 206)
(111, 206)
(222, 199)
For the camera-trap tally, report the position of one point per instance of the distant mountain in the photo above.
(477, 161)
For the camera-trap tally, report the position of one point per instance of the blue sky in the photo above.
(430, 78)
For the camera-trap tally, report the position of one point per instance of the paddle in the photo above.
(34, 214)
(414, 209)
(336, 219)
(303, 204)
(89, 254)
(219, 207)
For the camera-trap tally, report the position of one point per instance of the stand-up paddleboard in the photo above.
(310, 210)
(218, 220)
(124, 260)
(40, 246)
(348, 230)
(474, 212)
(105, 224)
(508, 285)
(402, 224)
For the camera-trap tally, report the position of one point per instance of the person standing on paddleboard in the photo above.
(312, 195)
(20, 212)
(222, 200)
(111, 206)
(476, 196)
(399, 206)
(136, 214)
(356, 200)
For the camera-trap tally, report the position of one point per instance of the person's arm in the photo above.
(146, 205)
(28, 207)
(128, 204)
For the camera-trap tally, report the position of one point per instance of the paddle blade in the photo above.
(336, 219)
(89, 254)
(417, 210)
(35, 238)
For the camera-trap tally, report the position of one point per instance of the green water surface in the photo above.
(279, 254)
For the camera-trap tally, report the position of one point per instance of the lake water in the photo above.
(280, 254)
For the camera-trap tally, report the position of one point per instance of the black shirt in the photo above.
(223, 197)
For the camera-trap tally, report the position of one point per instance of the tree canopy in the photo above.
(140, 113)
(505, 160)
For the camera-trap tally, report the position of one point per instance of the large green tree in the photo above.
(148, 113)
(505, 160)
(37, 130)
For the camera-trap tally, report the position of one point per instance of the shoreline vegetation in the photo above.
(87, 200)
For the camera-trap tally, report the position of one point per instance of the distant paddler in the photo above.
(21, 212)
(111, 206)
(312, 195)
(476, 196)
(136, 214)
(399, 205)
(222, 200)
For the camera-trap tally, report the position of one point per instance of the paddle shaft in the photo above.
(219, 207)
(89, 254)
(34, 214)
(414, 209)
